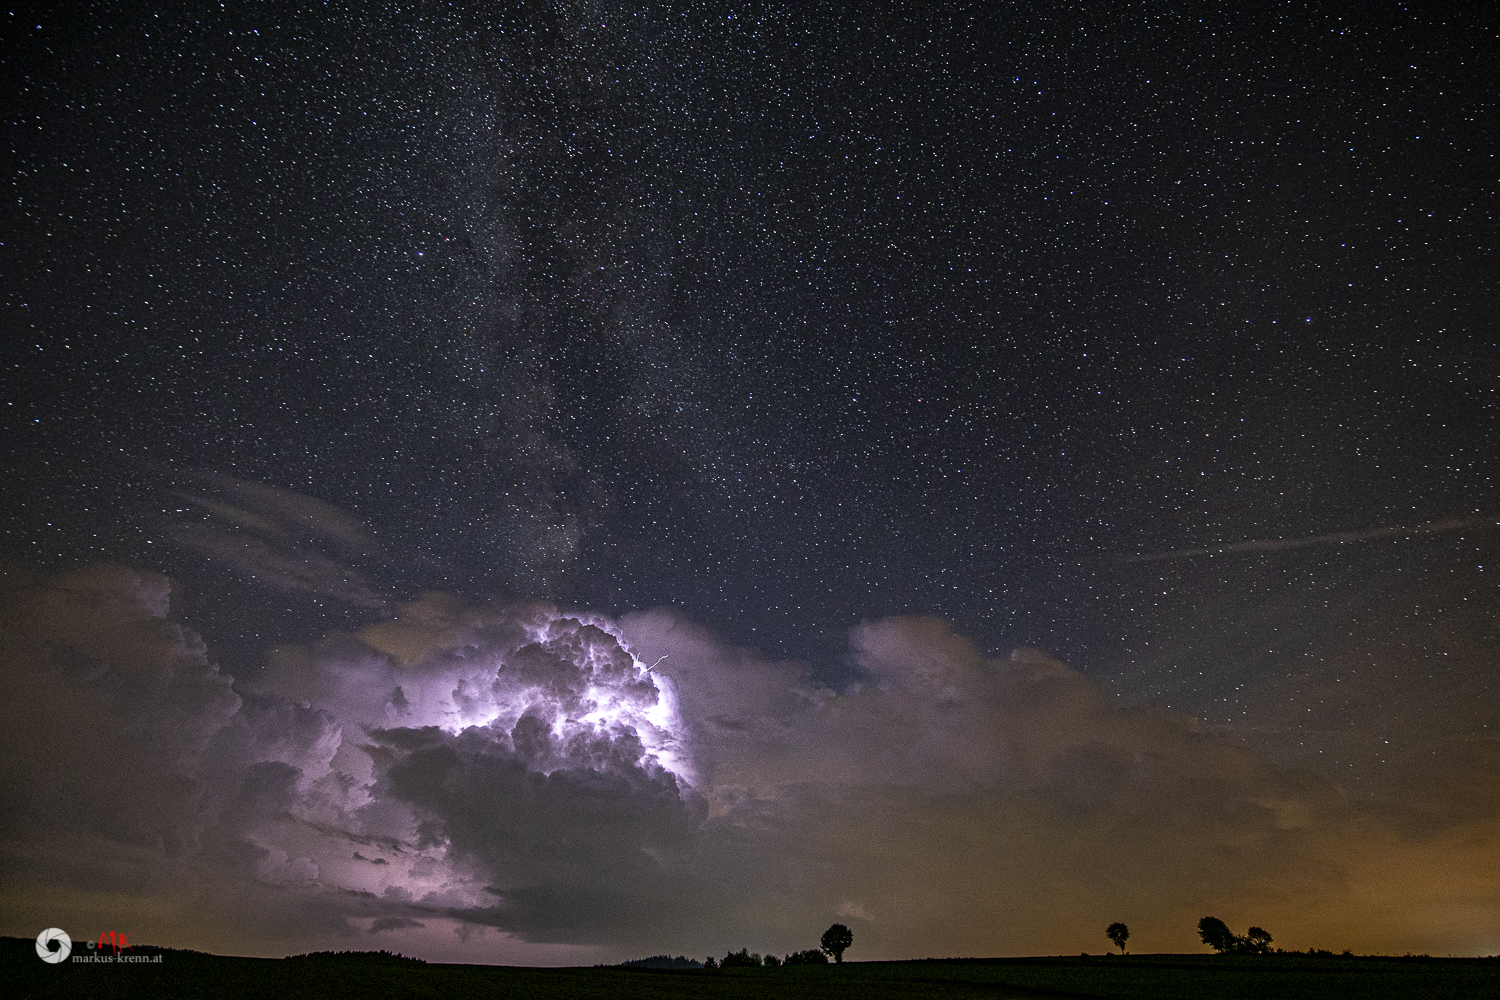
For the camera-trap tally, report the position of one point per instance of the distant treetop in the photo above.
(835, 940)
(662, 962)
(370, 957)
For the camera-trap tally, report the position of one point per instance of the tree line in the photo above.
(836, 940)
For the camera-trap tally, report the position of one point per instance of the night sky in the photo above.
(871, 367)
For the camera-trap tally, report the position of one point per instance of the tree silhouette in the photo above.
(1257, 941)
(835, 940)
(1119, 934)
(1216, 934)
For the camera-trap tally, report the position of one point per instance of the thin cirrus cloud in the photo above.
(275, 538)
(1333, 538)
(510, 783)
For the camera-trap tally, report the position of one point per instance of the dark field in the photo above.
(188, 974)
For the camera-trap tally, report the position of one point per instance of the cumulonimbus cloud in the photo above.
(512, 780)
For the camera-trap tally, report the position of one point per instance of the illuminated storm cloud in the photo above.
(568, 685)
(436, 765)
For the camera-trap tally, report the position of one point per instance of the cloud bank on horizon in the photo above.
(510, 783)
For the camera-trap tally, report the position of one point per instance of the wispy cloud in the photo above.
(1334, 538)
(276, 537)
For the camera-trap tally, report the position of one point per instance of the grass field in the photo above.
(188, 974)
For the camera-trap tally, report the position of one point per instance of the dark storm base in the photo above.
(192, 974)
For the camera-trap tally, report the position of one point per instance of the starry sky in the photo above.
(1119, 370)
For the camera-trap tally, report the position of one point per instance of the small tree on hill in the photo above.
(1119, 934)
(835, 940)
(811, 956)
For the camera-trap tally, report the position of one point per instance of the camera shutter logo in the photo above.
(49, 937)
